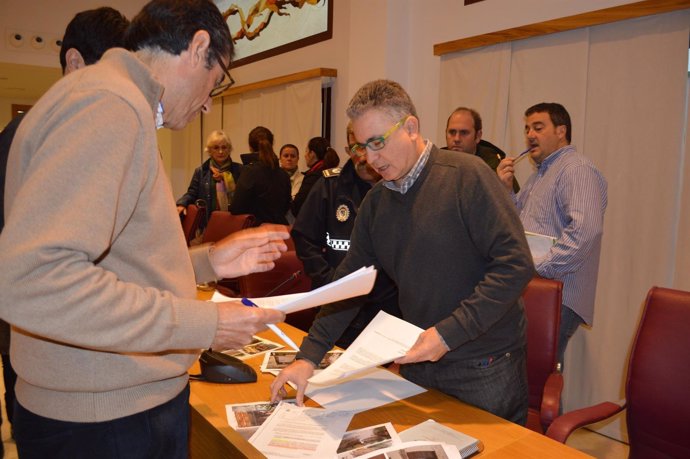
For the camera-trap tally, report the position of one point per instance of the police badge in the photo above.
(342, 213)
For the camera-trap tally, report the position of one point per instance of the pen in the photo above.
(522, 155)
(274, 327)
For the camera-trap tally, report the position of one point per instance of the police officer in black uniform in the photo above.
(322, 234)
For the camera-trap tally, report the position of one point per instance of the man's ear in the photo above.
(411, 126)
(478, 137)
(198, 47)
(560, 131)
(73, 60)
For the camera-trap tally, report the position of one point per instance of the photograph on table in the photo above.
(256, 347)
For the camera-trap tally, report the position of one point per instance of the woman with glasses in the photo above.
(214, 182)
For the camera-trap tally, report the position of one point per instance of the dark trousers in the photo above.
(570, 321)
(497, 383)
(161, 432)
(9, 378)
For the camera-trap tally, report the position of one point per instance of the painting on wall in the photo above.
(265, 28)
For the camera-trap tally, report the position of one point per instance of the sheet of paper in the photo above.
(247, 417)
(367, 439)
(433, 431)
(415, 449)
(385, 339)
(294, 431)
(368, 389)
(539, 244)
(354, 284)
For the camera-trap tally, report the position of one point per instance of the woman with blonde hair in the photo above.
(214, 182)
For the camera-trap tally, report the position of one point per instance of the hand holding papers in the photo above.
(385, 339)
(273, 327)
(354, 284)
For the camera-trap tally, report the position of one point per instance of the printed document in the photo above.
(385, 339)
(298, 431)
(354, 284)
(365, 391)
(431, 430)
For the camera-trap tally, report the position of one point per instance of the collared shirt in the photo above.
(405, 183)
(566, 199)
(159, 116)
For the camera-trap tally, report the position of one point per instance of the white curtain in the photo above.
(625, 86)
(292, 112)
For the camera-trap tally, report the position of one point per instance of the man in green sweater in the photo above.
(439, 226)
(97, 280)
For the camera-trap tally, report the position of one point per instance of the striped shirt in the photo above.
(566, 199)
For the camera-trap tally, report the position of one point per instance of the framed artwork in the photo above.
(265, 28)
(469, 2)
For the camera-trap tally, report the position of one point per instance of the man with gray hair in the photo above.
(460, 267)
(97, 280)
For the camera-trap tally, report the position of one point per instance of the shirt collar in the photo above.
(404, 184)
(553, 156)
(159, 116)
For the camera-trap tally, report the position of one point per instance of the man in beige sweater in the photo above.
(97, 281)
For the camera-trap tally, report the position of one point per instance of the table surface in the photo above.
(212, 437)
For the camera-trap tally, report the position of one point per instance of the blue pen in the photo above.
(522, 155)
(274, 327)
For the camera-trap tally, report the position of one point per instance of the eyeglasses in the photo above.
(375, 143)
(222, 87)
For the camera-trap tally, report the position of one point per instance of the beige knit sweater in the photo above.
(96, 278)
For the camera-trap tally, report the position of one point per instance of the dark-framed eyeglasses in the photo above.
(375, 143)
(227, 81)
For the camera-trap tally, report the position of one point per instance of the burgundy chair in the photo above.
(191, 221)
(286, 277)
(658, 380)
(223, 223)
(542, 298)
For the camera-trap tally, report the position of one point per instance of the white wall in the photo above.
(394, 39)
(371, 39)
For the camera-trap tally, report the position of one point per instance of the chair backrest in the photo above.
(542, 298)
(191, 221)
(287, 276)
(223, 223)
(658, 411)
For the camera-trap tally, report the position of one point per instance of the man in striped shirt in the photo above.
(565, 198)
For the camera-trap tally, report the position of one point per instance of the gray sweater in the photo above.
(96, 276)
(457, 251)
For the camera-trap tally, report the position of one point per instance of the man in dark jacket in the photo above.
(322, 234)
(464, 133)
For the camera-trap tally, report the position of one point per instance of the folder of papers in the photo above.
(539, 244)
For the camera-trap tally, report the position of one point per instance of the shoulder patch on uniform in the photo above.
(332, 172)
